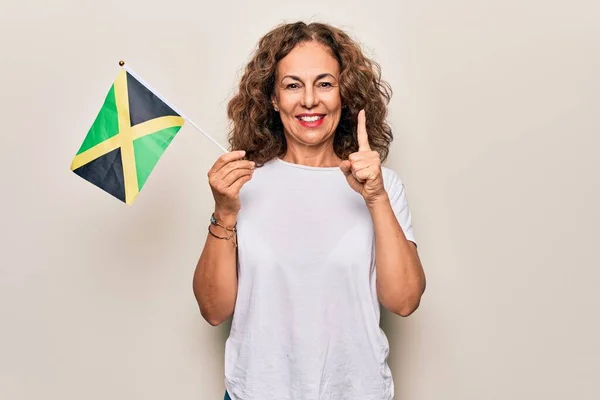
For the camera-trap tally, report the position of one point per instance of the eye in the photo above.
(292, 86)
(325, 85)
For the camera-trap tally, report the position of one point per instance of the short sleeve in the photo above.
(399, 201)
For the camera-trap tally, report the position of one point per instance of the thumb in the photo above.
(345, 167)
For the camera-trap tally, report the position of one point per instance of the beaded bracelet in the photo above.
(214, 221)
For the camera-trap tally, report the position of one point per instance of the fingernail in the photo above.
(242, 153)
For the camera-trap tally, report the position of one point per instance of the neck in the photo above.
(324, 157)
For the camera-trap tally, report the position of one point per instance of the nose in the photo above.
(310, 97)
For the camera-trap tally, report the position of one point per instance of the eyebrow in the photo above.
(321, 76)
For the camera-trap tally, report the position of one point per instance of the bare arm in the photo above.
(400, 275)
(215, 276)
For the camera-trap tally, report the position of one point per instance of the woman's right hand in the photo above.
(226, 177)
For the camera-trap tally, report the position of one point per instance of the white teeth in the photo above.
(310, 119)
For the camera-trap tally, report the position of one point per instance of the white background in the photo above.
(496, 116)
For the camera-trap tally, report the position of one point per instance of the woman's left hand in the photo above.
(363, 168)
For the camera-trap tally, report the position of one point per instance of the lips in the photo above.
(310, 120)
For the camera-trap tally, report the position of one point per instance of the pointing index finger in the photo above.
(361, 131)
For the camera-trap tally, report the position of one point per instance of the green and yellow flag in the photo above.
(130, 133)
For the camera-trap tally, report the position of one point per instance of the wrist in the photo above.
(224, 217)
(379, 201)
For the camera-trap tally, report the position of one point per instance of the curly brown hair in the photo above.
(257, 128)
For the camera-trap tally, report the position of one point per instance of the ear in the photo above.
(274, 102)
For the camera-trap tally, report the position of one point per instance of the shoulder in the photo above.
(264, 175)
(399, 201)
(267, 164)
(391, 179)
(265, 167)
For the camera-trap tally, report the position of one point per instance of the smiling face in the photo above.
(307, 96)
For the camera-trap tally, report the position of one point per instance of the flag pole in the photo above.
(136, 76)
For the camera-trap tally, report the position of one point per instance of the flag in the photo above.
(129, 135)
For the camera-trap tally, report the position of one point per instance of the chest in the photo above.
(305, 225)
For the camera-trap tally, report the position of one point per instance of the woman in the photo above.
(302, 206)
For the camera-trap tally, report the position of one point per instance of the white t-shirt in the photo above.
(306, 320)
